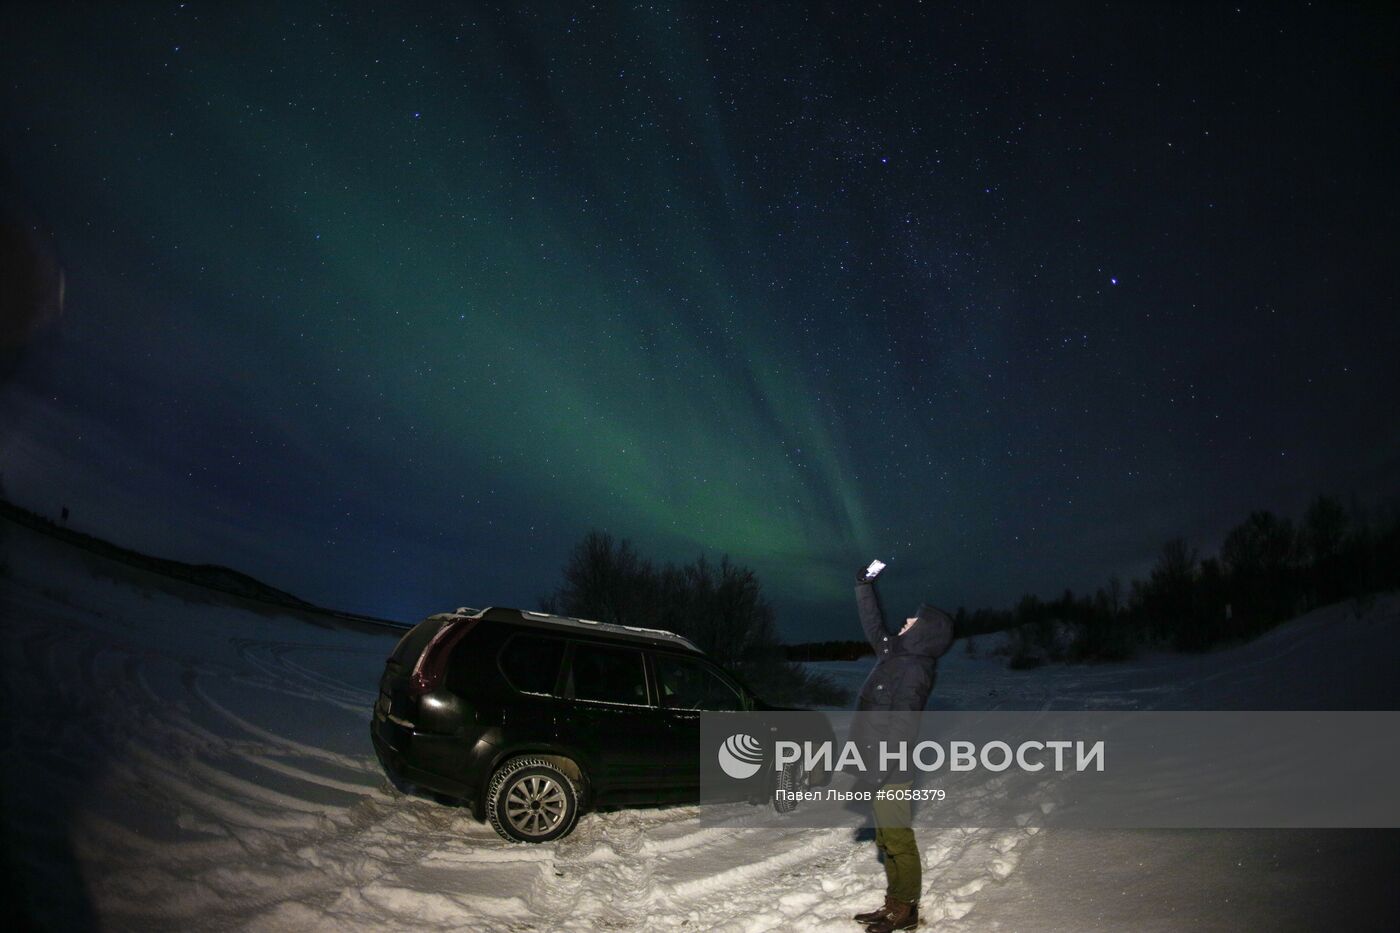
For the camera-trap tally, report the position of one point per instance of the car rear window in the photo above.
(531, 662)
(608, 675)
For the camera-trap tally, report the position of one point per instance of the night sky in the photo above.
(389, 306)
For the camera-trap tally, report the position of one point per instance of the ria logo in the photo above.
(740, 756)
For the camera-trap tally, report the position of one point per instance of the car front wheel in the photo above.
(531, 800)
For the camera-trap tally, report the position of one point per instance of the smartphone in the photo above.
(874, 569)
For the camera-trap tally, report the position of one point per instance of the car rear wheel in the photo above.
(531, 800)
(790, 780)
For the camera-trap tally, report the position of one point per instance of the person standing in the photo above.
(906, 664)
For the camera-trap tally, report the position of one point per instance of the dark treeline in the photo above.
(829, 651)
(1269, 569)
(718, 606)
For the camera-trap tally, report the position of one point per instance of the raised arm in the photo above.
(872, 617)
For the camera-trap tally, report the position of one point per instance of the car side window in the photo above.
(607, 675)
(531, 663)
(686, 683)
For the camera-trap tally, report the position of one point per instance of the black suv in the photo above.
(533, 717)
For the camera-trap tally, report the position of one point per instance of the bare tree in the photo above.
(720, 607)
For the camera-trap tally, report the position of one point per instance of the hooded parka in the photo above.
(901, 681)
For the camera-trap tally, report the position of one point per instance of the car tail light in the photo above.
(432, 663)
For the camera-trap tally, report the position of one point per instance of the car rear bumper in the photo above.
(414, 758)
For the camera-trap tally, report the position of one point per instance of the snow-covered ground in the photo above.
(174, 760)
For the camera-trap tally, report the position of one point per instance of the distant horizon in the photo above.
(841, 633)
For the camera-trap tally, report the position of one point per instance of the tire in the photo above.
(789, 779)
(531, 800)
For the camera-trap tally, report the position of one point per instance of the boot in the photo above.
(902, 915)
(870, 916)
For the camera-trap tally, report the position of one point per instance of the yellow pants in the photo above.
(904, 877)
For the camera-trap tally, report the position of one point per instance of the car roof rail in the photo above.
(653, 636)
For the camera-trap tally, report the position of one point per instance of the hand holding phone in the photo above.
(874, 569)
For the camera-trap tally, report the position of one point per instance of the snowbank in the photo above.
(174, 760)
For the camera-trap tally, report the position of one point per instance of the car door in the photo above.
(686, 687)
(614, 720)
(532, 665)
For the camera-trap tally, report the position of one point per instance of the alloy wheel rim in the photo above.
(535, 805)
